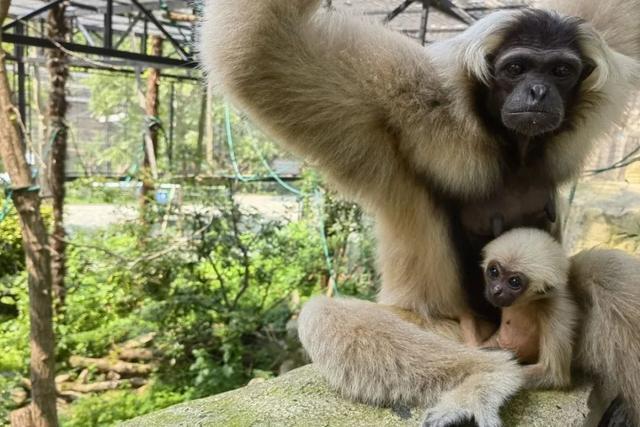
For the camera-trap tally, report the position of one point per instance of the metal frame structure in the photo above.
(465, 15)
(111, 23)
(82, 14)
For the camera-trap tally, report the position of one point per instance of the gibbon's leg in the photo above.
(371, 353)
(476, 332)
(606, 284)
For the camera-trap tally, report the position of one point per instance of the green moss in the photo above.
(302, 398)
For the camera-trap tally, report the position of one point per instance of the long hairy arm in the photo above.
(616, 20)
(553, 369)
(365, 104)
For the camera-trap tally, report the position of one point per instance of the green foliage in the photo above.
(11, 252)
(109, 408)
(12, 287)
(217, 286)
(14, 329)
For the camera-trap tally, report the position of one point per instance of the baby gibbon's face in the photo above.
(502, 286)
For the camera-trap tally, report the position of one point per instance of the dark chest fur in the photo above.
(525, 198)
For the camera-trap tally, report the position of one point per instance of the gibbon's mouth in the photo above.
(532, 123)
(498, 304)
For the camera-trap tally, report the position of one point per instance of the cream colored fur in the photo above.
(606, 285)
(380, 116)
(537, 255)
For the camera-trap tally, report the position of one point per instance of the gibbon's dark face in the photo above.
(535, 86)
(503, 287)
(537, 73)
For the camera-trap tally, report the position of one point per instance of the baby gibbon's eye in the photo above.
(493, 271)
(515, 282)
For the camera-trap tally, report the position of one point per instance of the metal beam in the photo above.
(125, 9)
(30, 15)
(108, 26)
(22, 93)
(87, 35)
(398, 10)
(422, 36)
(128, 30)
(144, 37)
(183, 53)
(113, 66)
(454, 11)
(23, 40)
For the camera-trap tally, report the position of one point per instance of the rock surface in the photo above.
(603, 214)
(301, 398)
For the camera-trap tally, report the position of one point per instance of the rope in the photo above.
(275, 176)
(232, 154)
(232, 151)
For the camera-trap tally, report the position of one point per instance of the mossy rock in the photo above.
(302, 398)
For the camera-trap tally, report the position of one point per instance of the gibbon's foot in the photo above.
(477, 400)
(459, 418)
(447, 415)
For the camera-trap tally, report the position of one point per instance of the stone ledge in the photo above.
(301, 398)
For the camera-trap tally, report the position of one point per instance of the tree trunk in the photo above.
(38, 260)
(58, 72)
(149, 166)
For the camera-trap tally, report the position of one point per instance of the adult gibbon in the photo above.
(447, 147)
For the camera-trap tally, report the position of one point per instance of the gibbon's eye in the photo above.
(515, 282)
(493, 271)
(514, 69)
(562, 70)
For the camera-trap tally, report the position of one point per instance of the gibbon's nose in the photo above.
(537, 92)
(496, 290)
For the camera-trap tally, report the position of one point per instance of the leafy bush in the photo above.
(218, 287)
(11, 251)
(111, 407)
